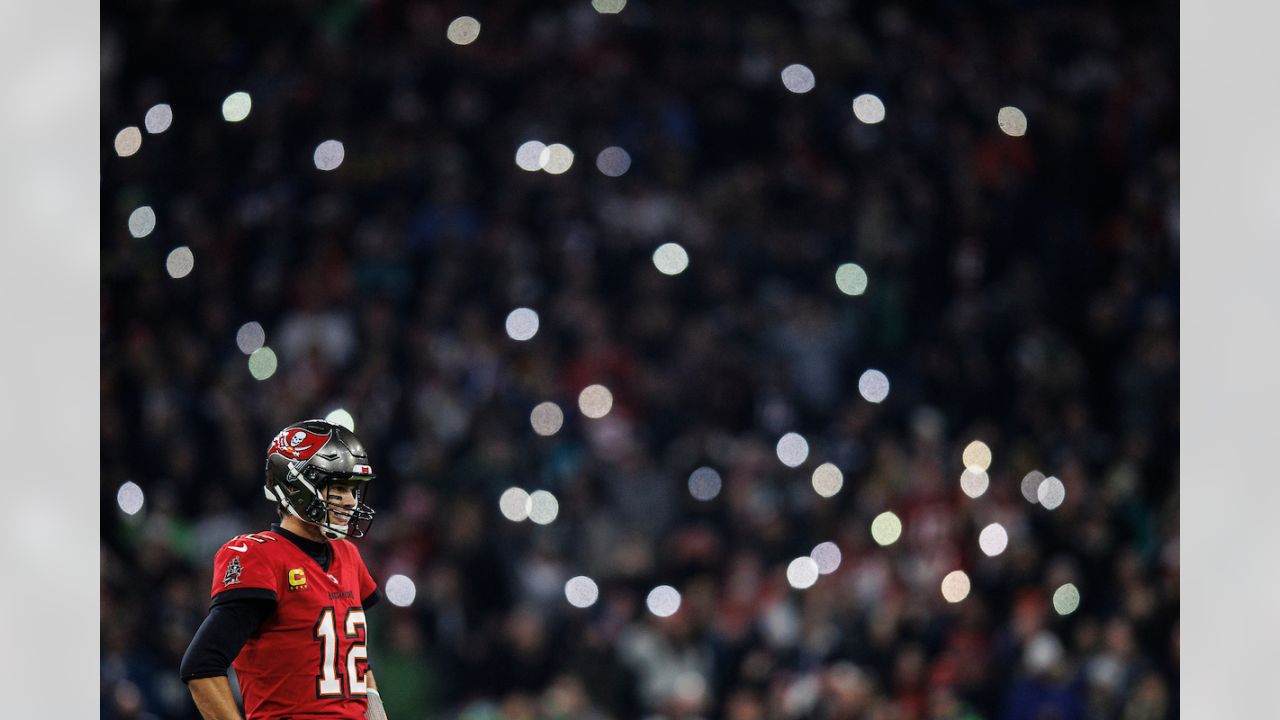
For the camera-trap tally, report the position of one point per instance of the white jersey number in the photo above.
(329, 681)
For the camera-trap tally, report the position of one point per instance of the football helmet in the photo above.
(305, 457)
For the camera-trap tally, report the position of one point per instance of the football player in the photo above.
(288, 604)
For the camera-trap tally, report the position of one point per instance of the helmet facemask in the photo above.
(300, 485)
(334, 519)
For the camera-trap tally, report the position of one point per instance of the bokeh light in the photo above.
(873, 386)
(802, 573)
(608, 7)
(180, 262)
(130, 498)
(993, 539)
(543, 507)
(237, 106)
(522, 324)
(974, 482)
(581, 591)
(851, 279)
(1051, 493)
(400, 590)
(886, 528)
(797, 78)
(868, 108)
(1031, 486)
(977, 455)
(1012, 121)
(158, 118)
(340, 416)
(613, 161)
(142, 221)
(529, 155)
(262, 363)
(955, 586)
(250, 337)
(515, 504)
(827, 556)
(128, 141)
(704, 483)
(463, 30)
(1066, 599)
(670, 259)
(792, 449)
(827, 479)
(555, 159)
(329, 155)
(546, 418)
(595, 401)
(663, 601)
(779, 196)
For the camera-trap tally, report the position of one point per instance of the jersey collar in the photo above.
(317, 550)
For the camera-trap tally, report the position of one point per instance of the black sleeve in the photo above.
(223, 633)
(372, 600)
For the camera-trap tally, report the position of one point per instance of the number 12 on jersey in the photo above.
(329, 681)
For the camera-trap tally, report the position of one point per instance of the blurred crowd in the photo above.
(1022, 291)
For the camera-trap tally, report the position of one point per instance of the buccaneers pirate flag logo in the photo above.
(233, 572)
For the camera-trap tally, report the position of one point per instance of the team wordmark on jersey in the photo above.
(233, 572)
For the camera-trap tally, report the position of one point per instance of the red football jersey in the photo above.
(309, 659)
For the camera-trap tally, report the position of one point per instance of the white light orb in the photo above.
(873, 385)
(974, 482)
(400, 590)
(180, 262)
(955, 586)
(142, 221)
(237, 106)
(595, 401)
(130, 498)
(663, 601)
(792, 449)
(463, 30)
(802, 573)
(1012, 121)
(1051, 493)
(543, 507)
(581, 591)
(329, 155)
(886, 528)
(529, 155)
(868, 108)
(547, 418)
(798, 78)
(670, 259)
(515, 504)
(341, 417)
(827, 555)
(827, 479)
(522, 324)
(262, 363)
(993, 539)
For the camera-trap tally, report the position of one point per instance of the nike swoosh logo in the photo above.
(241, 548)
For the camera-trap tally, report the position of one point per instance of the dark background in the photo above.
(1023, 290)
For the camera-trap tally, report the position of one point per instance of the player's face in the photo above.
(340, 495)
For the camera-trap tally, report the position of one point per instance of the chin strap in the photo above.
(331, 531)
